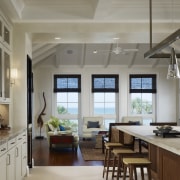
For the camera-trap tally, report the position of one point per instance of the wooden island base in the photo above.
(165, 164)
(164, 153)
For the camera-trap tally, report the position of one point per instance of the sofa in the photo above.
(61, 131)
(91, 126)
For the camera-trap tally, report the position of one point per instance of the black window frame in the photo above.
(103, 76)
(154, 85)
(57, 76)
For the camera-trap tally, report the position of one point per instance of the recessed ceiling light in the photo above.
(95, 51)
(57, 38)
(116, 38)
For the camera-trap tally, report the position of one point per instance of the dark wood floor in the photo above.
(44, 157)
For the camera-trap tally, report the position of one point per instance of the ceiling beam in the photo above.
(134, 57)
(83, 56)
(43, 56)
(108, 59)
(42, 49)
(52, 56)
(36, 47)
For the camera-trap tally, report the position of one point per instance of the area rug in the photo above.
(89, 152)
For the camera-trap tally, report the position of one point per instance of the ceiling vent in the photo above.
(69, 51)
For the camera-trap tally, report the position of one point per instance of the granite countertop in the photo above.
(146, 133)
(7, 134)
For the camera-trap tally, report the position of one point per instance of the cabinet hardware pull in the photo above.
(17, 152)
(8, 159)
(12, 142)
(3, 149)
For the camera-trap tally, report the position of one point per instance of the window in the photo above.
(67, 90)
(142, 96)
(105, 90)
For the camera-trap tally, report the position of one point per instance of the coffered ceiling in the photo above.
(87, 25)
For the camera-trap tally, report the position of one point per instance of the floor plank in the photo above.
(44, 157)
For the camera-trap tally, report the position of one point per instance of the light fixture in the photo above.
(95, 51)
(173, 69)
(13, 75)
(154, 52)
(57, 38)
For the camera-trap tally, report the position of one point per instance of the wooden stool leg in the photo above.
(135, 172)
(131, 172)
(108, 160)
(149, 172)
(119, 167)
(105, 162)
(142, 173)
(114, 166)
(125, 171)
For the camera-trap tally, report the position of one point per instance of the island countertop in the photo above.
(145, 133)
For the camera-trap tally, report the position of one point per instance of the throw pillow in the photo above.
(135, 122)
(62, 128)
(51, 127)
(93, 124)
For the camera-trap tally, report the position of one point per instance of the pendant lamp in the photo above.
(173, 69)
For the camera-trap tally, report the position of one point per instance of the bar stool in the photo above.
(133, 163)
(117, 139)
(109, 146)
(117, 162)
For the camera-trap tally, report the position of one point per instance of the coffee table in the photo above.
(62, 139)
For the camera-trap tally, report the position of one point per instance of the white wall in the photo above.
(43, 82)
(21, 47)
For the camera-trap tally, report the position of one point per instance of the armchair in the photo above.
(135, 119)
(92, 124)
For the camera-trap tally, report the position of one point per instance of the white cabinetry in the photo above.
(18, 158)
(5, 32)
(1, 29)
(3, 167)
(5, 63)
(24, 154)
(21, 156)
(11, 159)
(4, 75)
(3, 155)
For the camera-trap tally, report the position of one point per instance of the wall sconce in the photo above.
(13, 75)
(173, 69)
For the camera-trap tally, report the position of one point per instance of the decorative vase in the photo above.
(55, 131)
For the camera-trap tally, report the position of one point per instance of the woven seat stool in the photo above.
(133, 163)
(117, 162)
(109, 146)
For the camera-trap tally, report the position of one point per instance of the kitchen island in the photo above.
(164, 152)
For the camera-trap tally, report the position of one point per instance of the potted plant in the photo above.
(55, 123)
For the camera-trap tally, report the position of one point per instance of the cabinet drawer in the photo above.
(3, 148)
(11, 143)
(24, 135)
(19, 138)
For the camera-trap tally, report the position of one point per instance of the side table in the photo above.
(99, 137)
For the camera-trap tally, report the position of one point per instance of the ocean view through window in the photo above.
(67, 90)
(142, 88)
(105, 90)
